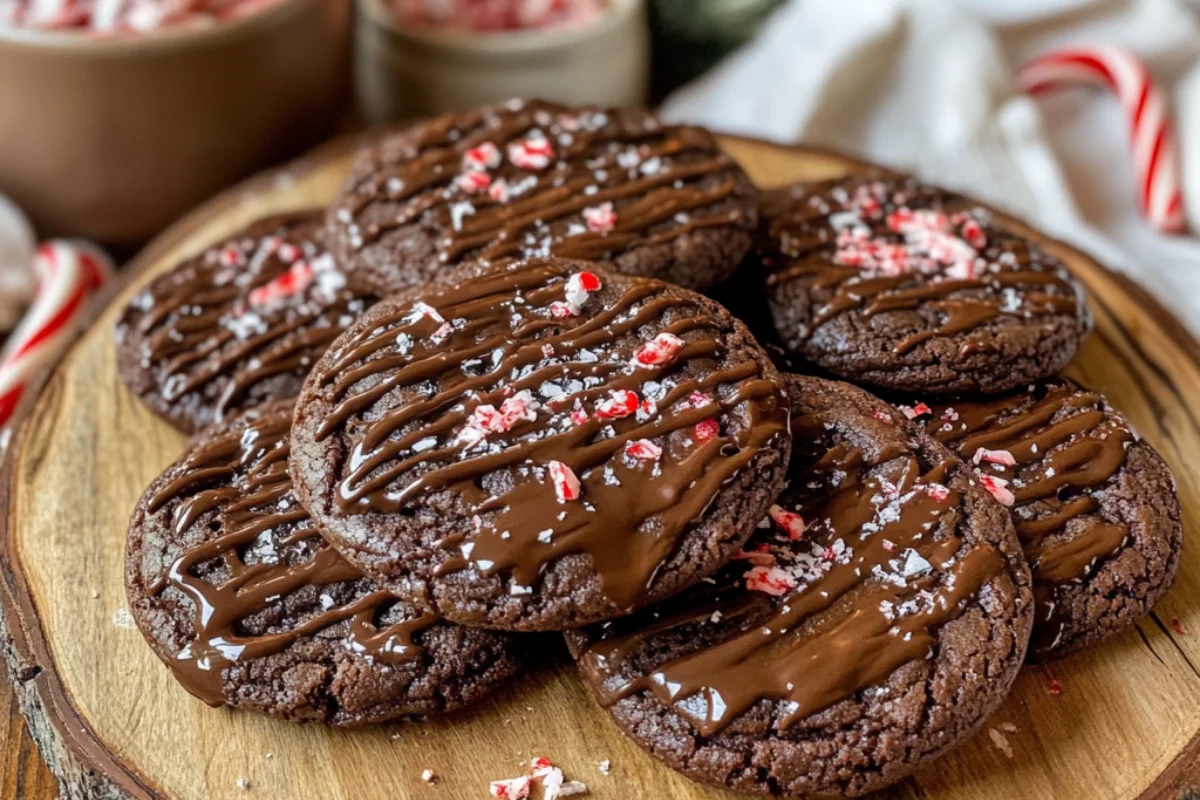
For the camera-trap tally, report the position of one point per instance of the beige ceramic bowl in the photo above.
(112, 139)
(404, 72)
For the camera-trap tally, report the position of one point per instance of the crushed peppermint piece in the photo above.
(295, 280)
(532, 153)
(566, 485)
(660, 350)
(643, 450)
(938, 492)
(472, 182)
(499, 190)
(429, 776)
(998, 487)
(481, 157)
(789, 522)
(601, 218)
(772, 580)
(511, 788)
(1003, 457)
(706, 429)
(605, 766)
(620, 403)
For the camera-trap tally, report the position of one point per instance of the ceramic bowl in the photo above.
(113, 138)
(405, 71)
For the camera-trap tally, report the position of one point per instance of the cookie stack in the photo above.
(484, 395)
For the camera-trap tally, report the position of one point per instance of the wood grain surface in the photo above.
(1114, 723)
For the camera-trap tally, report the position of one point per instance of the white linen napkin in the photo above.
(928, 86)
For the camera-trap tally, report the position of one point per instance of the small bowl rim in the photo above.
(501, 43)
(168, 38)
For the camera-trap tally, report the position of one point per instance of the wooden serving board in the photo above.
(112, 723)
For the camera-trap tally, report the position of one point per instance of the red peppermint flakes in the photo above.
(473, 182)
(912, 412)
(998, 487)
(291, 283)
(487, 419)
(601, 218)
(938, 492)
(532, 153)
(512, 788)
(972, 231)
(231, 257)
(619, 403)
(1177, 626)
(706, 429)
(789, 522)
(1002, 457)
(482, 157)
(770, 580)
(566, 485)
(643, 450)
(659, 351)
(578, 416)
(578, 287)
(499, 191)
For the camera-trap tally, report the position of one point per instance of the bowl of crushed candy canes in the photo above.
(121, 115)
(421, 57)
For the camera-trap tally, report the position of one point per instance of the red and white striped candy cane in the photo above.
(1152, 140)
(68, 273)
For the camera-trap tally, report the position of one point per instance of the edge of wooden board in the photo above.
(82, 764)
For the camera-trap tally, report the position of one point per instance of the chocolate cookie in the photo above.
(872, 622)
(237, 325)
(1095, 506)
(881, 279)
(541, 445)
(232, 585)
(531, 178)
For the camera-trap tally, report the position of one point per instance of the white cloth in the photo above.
(928, 86)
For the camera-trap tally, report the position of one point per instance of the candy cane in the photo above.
(1152, 140)
(69, 273)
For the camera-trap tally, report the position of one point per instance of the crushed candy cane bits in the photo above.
(789, 522)
(659, 351)
(998, 488)
(566, 484)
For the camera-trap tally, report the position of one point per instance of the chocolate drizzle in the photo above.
(1067, 448)
(238, 325)
(251, 556)
(811, 621)
(935, 263)
(405, 388)
(661, 182)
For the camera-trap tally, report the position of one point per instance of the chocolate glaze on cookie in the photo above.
(884, 280)
(1094, 505)
(532, 178)
(238, 325)
(232, 585)
(871, 623)
(541, 445)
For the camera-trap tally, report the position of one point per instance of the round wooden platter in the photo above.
(112, 723)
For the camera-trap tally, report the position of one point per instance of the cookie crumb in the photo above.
(123, 619)
(1008, 727)
(1001, 742)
